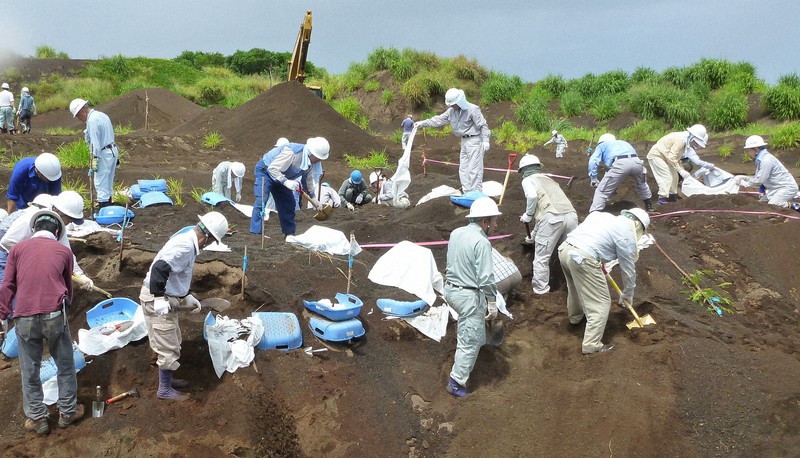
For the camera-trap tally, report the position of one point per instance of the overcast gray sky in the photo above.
(526, 38)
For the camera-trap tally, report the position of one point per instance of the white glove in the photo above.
(192, 301)
(710, 167)
(740, 180)
(238, 196)
(86, 282)
(4, 325)
(594, 182)
(625, 297)
(525, 218)
(349, 206)
(359, 199)
(292, 184)
(161, 306)
(485, 146)
(491, 311)
(683, 173)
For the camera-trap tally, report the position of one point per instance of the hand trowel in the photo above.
(98, 405)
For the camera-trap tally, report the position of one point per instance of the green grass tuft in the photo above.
(212, 140)
(725, 150)
(372, 86)
(175, 190)
(120, 129)
(73, 155)
(387, 97)
(786, 136)
(374, 160)
(60, 131)
(727, 110)
(350, 108)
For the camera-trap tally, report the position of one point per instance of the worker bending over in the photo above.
(621, 161)
(31, 177)
(780, 186)
(227, 175)
(665, 159)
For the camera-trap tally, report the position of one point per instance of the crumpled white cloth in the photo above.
(492, 188)
(439, 191)
(217, 246)
(88, 227)
(93, 342)
(432, 323)
(326, 240)
(227, 349)
(411, 268)
(715, 182)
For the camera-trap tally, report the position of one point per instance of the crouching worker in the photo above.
(780, 187)
(39, 277)
(384, 188)
(327, 196)
(354, 191)
(600, 238)
(470, 288)
(166, 288)
(227, 175)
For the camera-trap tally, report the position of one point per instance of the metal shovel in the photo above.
(323, 212)
(638, 322)
(98, 406)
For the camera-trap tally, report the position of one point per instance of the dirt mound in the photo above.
(204, 122)
(28, 71)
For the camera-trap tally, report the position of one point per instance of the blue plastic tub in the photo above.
(281, 331)
(403, 309)
(466, 199)
(136, 193)
(10, 346)
(154, 198)
(113, 214)
(49, 369)
(336, 331)
(111, 310)
(214, 198)
(152, 185)
(350, 307)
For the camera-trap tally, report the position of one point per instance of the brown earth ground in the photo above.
(693, 385)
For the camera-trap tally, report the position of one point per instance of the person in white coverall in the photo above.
(561, 143)
(328, 195)
(470, 288)
(780, 185)
(99, 135)
(470, 126)
(227, 175)
(554, 215)
(621, 161)
(600, 238)
(665, 159)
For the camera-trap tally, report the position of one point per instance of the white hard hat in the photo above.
(6, 86)
(452, 95)
(43, 201)
(69, 203)
(48, 165)
(76, 105)
(700, 134)
(215, 223)
(51, 216)
(25, 89)
(483, 207)
(555, 132)
(373, 177)
(528, 159)
(639, 214)
(282, 141)
(606, 138)
(319, 147)
(238, 169)
(754, 141)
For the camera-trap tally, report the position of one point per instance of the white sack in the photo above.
(93, 342)
(325, 239)
(411, 268)
(228, 351)
(440, 191)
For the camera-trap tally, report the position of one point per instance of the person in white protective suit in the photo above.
(780, 185)
(554, 215)
(384, 188)
(226, 176)
(104, 159)
(600, 238)
(470, 288)
(561, 143)
(621, 161)
(329, 196)
(470, 126)
(665, 159)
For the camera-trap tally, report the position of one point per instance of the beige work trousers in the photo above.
(163, 332)
(587, 294)
(666, 176)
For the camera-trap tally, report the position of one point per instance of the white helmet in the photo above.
(639, 214)
(51, 216)
(319, 147)
(555, 132)
(43, 201)
(528, 159)
(373, 177)
(606, 138)
(452, 95)
(483, 207)
(215, 223)
(69, 203)
(698, 131)
(238, 169)
(48, 165)
(754, 141)
(76, 105)
(282, 141)
(6, 86)
(25, 90)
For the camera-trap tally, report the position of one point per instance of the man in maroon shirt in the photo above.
(39, 276)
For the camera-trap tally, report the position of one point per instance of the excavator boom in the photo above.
(297, 66)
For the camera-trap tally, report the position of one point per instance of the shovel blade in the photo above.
(324, 213)
(646, 320)
(217, 304)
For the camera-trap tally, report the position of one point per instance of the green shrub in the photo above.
(586, 85)
(792, 80)
(199, 59)
(387, 97)
(677, 76)
(684, 110)
(714, 72)
(725, 150)
(212, 140)
(644, 75)
(469, 69)
(609, 83)
(572, 103)
(606, 106)
(425, 85)
(648, 129)
(786, 136)
(500, 87)
(507, 131)
(374, 160)
(120, 67)
(402, 69)
(354, 77)
(783, 101)
(554, 84)
(350, 108)
(372, 86)
(210, 93)
(727, 110)
(382, 58)
(649, 100)
(73, 155)
(46, 52)
(533, 113)
(559, 124)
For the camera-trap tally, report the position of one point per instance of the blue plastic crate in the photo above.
(336, 331)
(403, 309)
(350, 307)
(152, 185)
(10, 345)
(281, 331)
(113, 214)
(49, 370)
(111, 310)
(467, 198)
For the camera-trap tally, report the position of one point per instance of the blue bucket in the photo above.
(350, 306)
(110, 311)
(403, 309)
(336, 331)
(10, 345)
(50, 370)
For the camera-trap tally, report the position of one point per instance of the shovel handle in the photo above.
(512, 158)
(619, 291)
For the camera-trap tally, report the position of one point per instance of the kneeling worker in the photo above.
(354, 191)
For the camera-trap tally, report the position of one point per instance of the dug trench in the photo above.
(695, 384)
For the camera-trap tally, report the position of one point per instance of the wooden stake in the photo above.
(122, 238)
(350, 261)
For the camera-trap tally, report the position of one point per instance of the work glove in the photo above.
(85, 282)
(710, 167)
(594, 182)
(162, 305)
(740, 180)
(193, 302)
(525, 218)
(491, 311)
(292, 184)
(359, 199)
(485, 146)
(683, 173)
(625, 297)
(349, 206)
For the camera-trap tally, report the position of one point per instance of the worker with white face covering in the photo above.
(470, 288)
(99, 135)
(621, 161)
(561, 143)
(780, 186)
(554, 214)
(469, 125)
(600, 238)
(665, 159)
(227, 175)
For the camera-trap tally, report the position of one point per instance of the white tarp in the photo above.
(94, 342)
(402, 176)
(714, 182)
(325, 239)
(88, 227)
(231, 343)
(439, 191)
(411, 268)
(492, 188)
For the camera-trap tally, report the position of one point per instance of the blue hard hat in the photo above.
(326, 184)
(355, 177)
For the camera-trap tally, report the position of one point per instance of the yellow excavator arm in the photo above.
(297, 66)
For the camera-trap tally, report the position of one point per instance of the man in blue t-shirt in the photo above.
(31, 177)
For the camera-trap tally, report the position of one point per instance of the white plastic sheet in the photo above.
(231, 343)
(93, 342)
(325, 239)
(411, 268)
(715, 182)
(439, 191)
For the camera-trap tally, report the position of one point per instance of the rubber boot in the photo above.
(165, 389)
(673, 198)
(103, 204)
(648, 205)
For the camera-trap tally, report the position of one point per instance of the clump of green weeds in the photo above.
(212, 140)
(175, 190)
(714, 300)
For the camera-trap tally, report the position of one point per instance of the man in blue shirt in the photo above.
(408, 126)
(621, 161)
(99, 135)
(31, 177)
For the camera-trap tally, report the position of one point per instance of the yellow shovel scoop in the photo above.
(638, 322)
